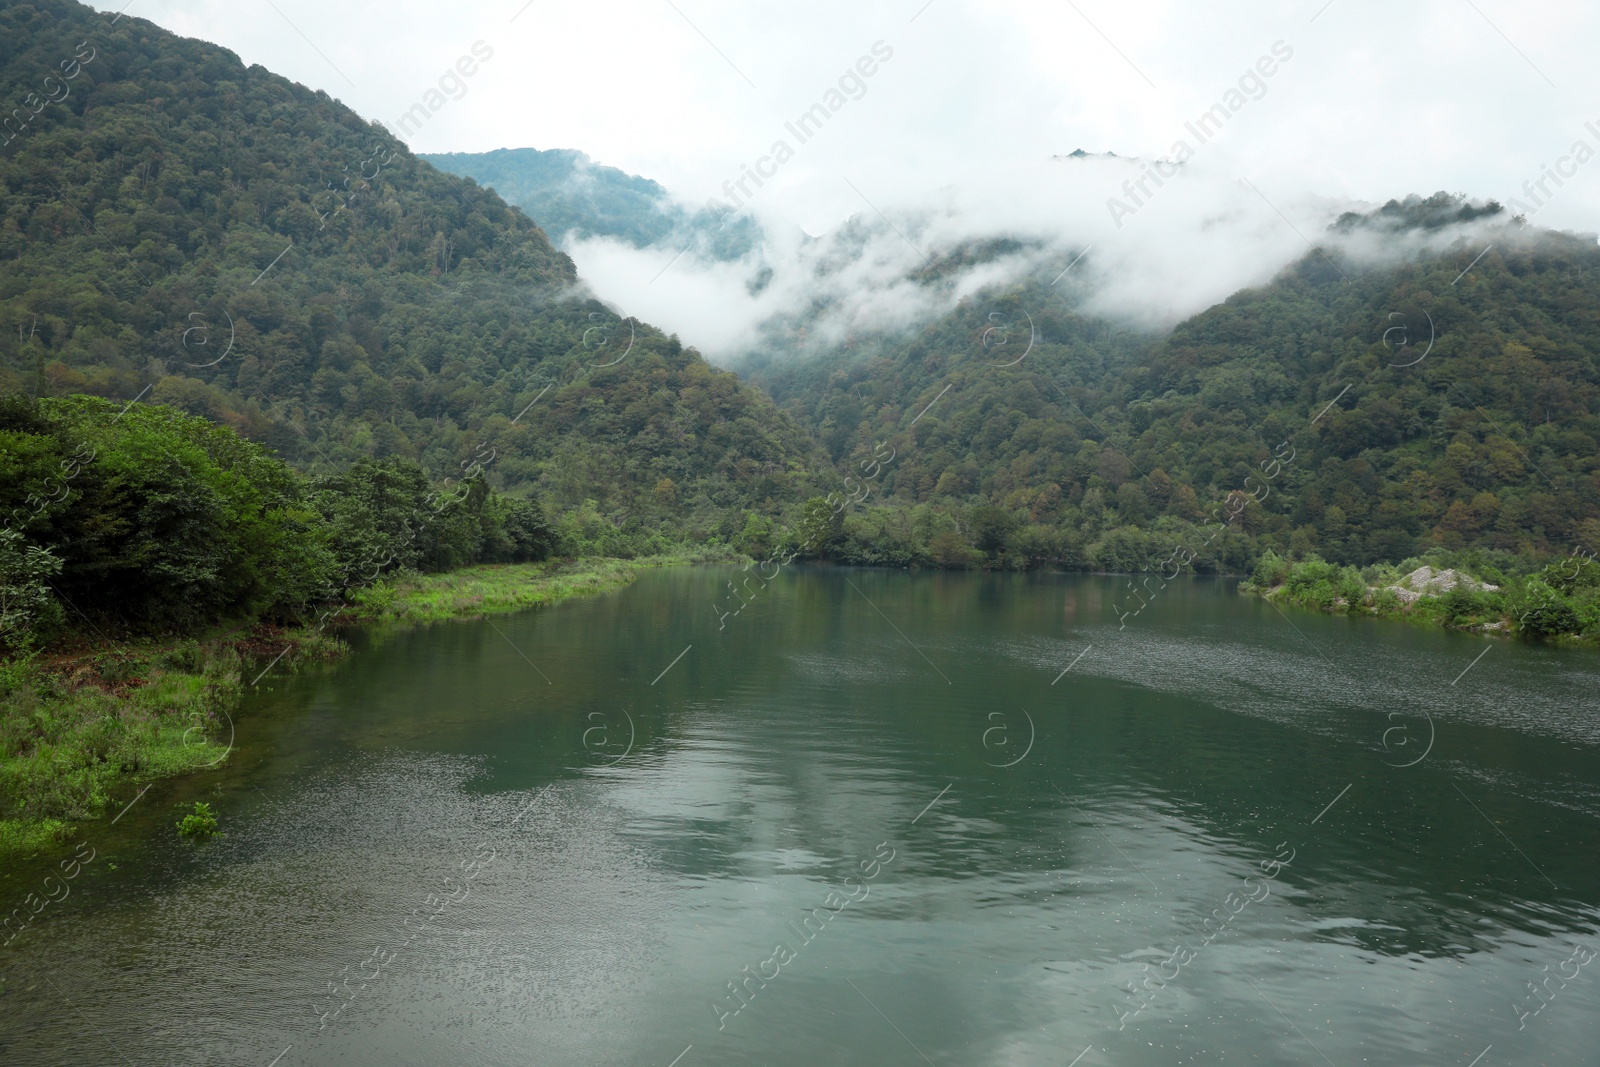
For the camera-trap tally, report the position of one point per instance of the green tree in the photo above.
(992, 529)
(819, 527)
(1543, 612)
(28, 609)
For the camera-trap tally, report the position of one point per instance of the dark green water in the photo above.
(507, 845)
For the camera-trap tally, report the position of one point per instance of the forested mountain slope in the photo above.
(250, 250)
(1465, 407)
(1465, 416)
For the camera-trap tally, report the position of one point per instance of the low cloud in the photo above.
(1207, 236)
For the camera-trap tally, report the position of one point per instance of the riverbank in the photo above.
(1559, 603)
(492, 589)
(88, 723)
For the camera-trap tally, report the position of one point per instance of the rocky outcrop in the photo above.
(1425, 581)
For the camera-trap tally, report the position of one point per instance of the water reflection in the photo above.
(1093, 877)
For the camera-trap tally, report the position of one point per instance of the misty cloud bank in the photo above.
(1206, 236)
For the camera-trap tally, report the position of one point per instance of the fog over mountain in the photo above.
(1186, 245)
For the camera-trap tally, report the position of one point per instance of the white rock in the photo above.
(1434, 583)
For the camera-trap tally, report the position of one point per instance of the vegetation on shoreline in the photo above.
(1560, 601)
(132, 537)
(497, 588)
(88, 722)
(148, 521)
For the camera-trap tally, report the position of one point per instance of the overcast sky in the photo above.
(1379, 99)
(1374, 100)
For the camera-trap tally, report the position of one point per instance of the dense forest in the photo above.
(130, 519)
(1463, 413)
(1368, 413)
(254, 252)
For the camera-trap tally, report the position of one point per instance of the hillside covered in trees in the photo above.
(1369, 412)
(1463, 412)
(128, 519)
(210, 236)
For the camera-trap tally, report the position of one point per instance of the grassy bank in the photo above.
(1559, 602)
(85, 725)
(495, 588)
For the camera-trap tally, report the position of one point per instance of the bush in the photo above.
(1351, 587)
(1270, 571)
(819, 527)
(1543, 612)
(1461, 605)
(200, 823)
(755, 539)
(1312, 573)
(950, 549)
(992, 529)
(1587, 606)
(1379, 574)
(1571, 575)
(28, 610)
(1387, 602)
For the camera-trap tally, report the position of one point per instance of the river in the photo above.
(873, 818)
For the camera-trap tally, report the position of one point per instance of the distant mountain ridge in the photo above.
(573, 197)
(1449, 399)
(569, 193)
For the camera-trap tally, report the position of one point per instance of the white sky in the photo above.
(1379, 100)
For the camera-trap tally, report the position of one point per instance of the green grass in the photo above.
(75, 734)
(497, 588)
(487, 590)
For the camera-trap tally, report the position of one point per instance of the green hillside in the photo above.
(1098, 437)
(211, 236)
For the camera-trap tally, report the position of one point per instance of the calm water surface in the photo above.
(868, 821)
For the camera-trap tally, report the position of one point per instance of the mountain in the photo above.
(568, 193)
(184, 229)
(1454, 350)
(574, 198)
(187, 230)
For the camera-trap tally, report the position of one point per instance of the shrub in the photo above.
(1387, 602)
(1571, 575)
(1543, 612)
(949, 549)
(28, 610)
(1309, 573)
(1351, 587)
(1461, 605)
(1319, 595)
(1270, 571)
(199, 823)
(1587, 606)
